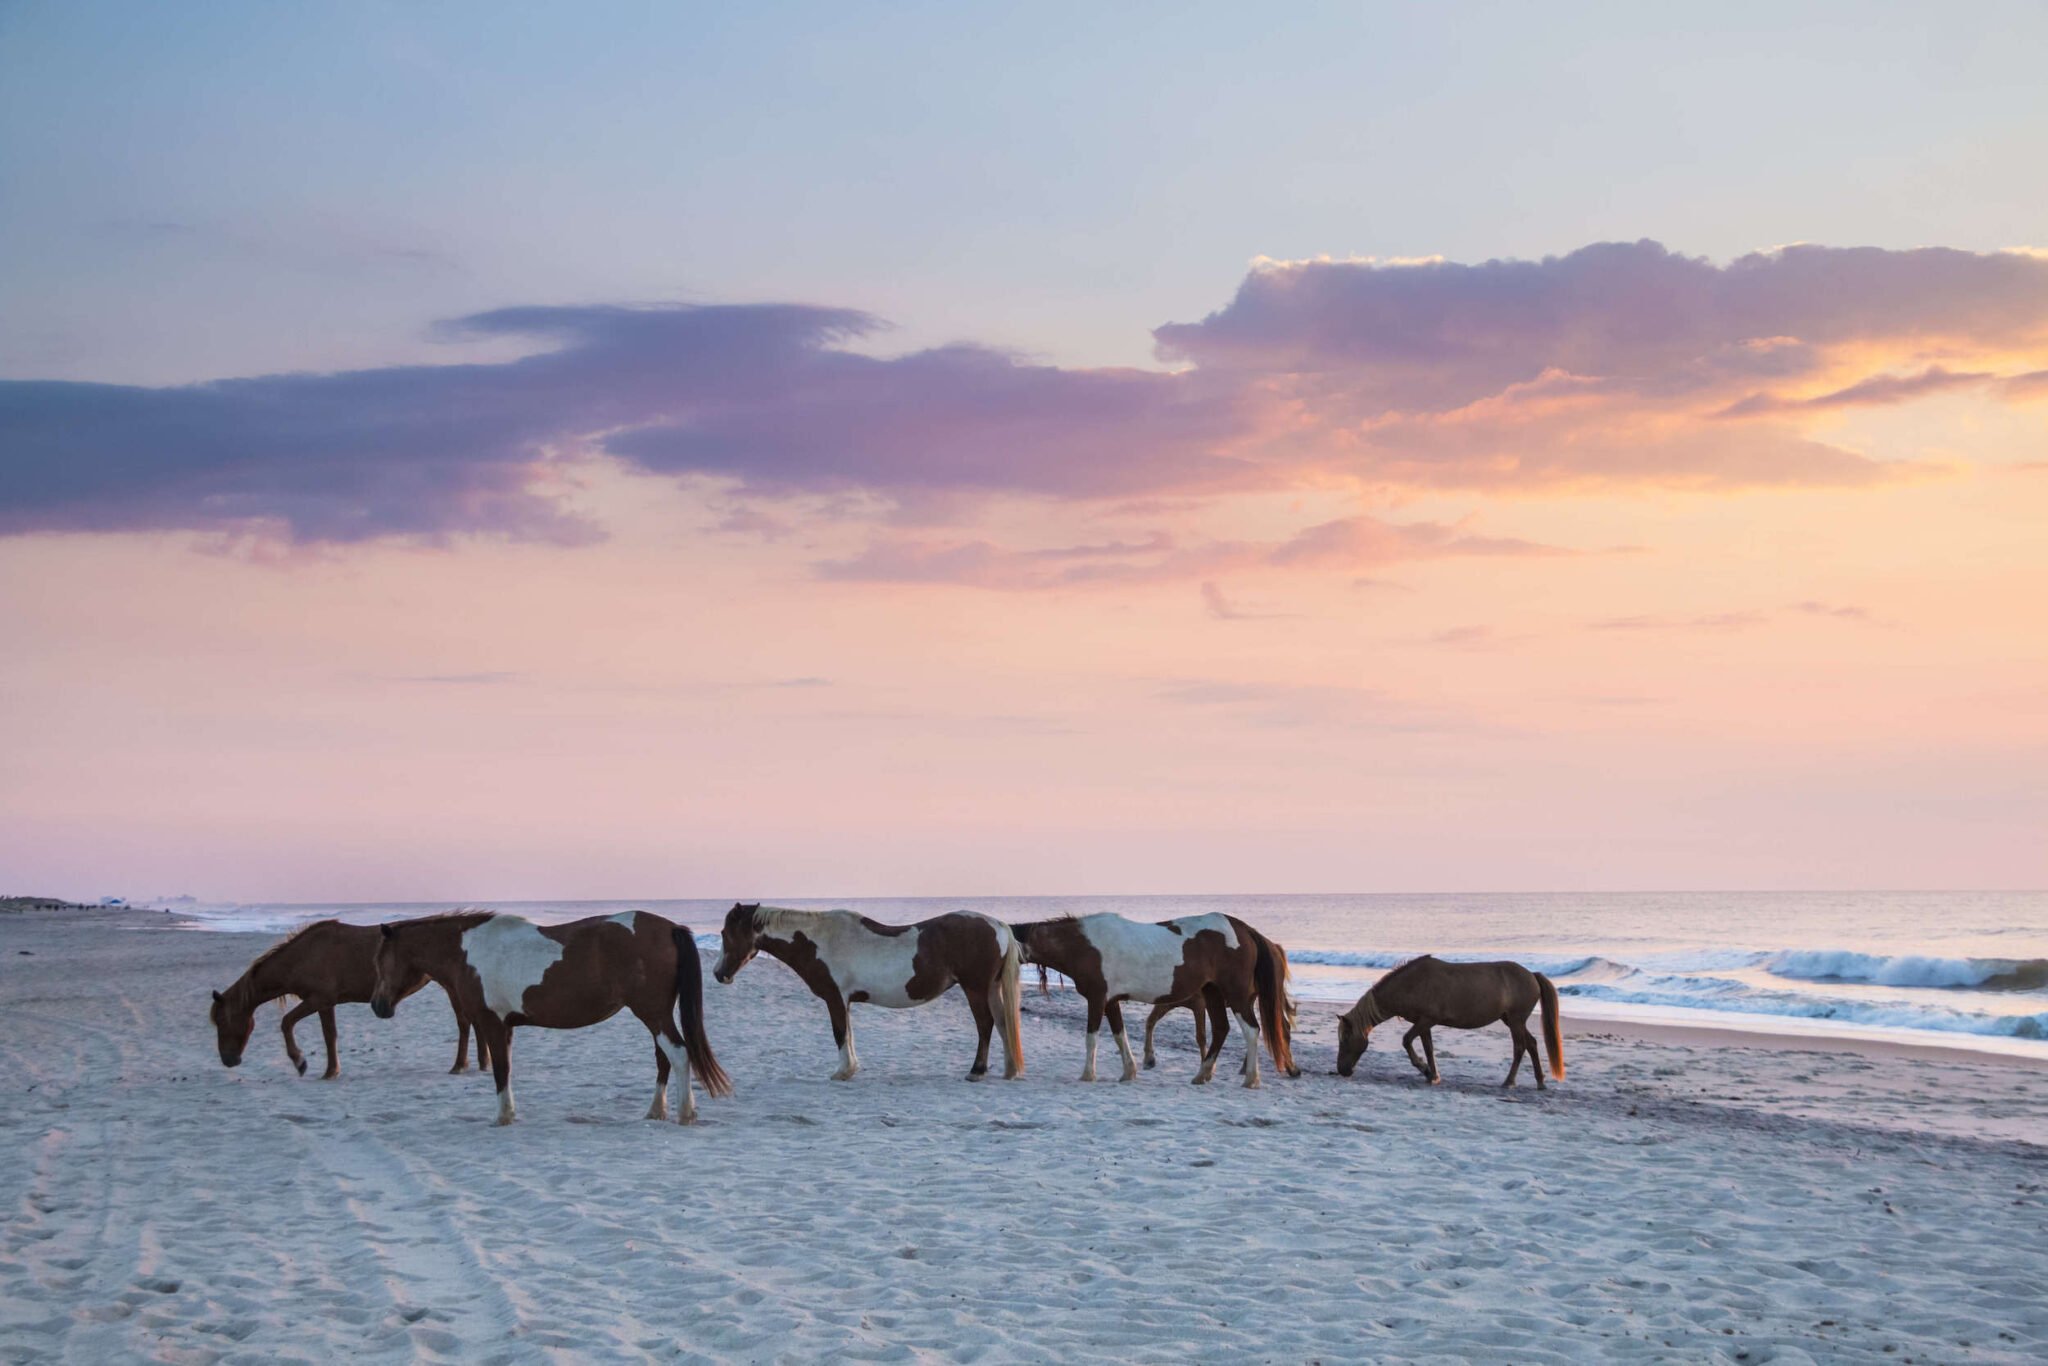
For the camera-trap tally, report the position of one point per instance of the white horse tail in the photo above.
(1010, 1004)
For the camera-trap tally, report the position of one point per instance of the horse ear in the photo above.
(216, 996)
(387, 930)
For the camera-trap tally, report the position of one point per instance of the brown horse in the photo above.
(1428, 992)
(844, 958)
(324, 964)
(504, 971)
(1217, 961)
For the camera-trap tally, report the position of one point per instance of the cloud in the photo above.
(1736, 621)
(1349, 543)
(1603, 368)
(1716, 621)
(1321, 707)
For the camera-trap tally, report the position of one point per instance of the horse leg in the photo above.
(659, 1109)
(842, 1034)
(1201, 1026)
(327, 1037)
(497, 1036)
(1429, 1051)
(1115, 1011)
(291, 1045)
(1249, 1020)
(462, 1040)
(984, 1023)
(668, 1048)
(1408, 1047)
(1219, 1020)
(1518, 1030)
(1094, 1030)
(1152, 1023)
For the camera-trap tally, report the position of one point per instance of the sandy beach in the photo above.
(1681, 1196)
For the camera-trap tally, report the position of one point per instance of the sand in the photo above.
(1672, 1199)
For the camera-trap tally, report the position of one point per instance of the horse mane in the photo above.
(281, 945)
(472, 916)
(776, 919)
(1394, 974)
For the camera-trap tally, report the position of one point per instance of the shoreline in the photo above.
(1867, 1041)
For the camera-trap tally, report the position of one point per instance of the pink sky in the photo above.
(1619, 569)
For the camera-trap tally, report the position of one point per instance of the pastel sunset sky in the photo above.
(460, 452)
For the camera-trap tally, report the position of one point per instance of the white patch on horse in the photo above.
(505, 1115)
(626, 918)
(681, 1061)
(1139, 960)
(510, 956)
(859, 959)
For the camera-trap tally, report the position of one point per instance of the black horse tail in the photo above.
(1269, 979)
(1553, 1031)
(690, 1006)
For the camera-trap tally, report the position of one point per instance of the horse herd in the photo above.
(501, 972)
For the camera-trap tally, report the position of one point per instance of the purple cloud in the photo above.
(1599, 368)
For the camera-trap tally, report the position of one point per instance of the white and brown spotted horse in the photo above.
(1216, 961)
(505, 972)
(846, 958)
(324, 964)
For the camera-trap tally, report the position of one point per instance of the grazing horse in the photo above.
(504, 971)
(843, 958)
(1428, 992)
(324, 964)
(1213, 961)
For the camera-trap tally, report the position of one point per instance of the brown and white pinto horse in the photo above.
(1217, 961)
(324, 964)
(504, 972)
(1428, 992)
(846, 958)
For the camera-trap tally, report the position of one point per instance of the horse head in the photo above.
(1353, 1034)
(738, 941)
(395, 970)
(232, 1025)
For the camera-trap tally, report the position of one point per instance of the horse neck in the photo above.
(258, 986)
(1370, 1010)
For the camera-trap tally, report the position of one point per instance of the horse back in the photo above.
(328, 960)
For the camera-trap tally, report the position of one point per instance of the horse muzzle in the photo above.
(723, 979)
(382, 1008)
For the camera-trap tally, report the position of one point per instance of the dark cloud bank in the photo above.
(1504, 374)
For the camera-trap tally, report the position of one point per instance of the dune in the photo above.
(1678, 1196)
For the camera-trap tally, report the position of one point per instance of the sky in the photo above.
(485, 453)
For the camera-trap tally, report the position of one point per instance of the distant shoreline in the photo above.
(15, 905)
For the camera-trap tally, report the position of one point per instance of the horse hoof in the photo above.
(458, 1069)
(330, 1076)
(1151, 1063)
(300, 1063)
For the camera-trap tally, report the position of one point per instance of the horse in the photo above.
(504, 971)
(324, 964)
(1215, 961)
(1428, 992)
(846, 958)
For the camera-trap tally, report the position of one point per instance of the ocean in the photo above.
(1961, 969)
